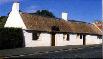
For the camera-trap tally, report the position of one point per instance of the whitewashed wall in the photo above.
(74, 40)
(44, 40)
(14, 18)
(92, 39)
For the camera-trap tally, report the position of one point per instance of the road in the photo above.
(87, 52)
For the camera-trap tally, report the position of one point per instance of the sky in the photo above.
(81, 10)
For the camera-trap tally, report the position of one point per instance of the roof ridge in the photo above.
(56, 18)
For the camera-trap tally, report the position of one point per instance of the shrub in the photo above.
(11, 38)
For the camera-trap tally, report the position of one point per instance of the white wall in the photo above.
(92, 39)
(74, 40)
(44, 40)
(14, 18)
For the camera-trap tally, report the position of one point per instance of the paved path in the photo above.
(20, 52)
(90, 52)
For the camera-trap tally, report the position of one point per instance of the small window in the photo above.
(68, 37)
(35, 36)
(81, 36)
(64, 36)
(77, 35)
(99, 36)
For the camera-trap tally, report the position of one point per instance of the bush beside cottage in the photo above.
(11, 38)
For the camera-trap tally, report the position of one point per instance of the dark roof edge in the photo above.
(63, 32)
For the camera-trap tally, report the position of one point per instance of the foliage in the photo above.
(2, 21)
(11, 38)
(44, 13)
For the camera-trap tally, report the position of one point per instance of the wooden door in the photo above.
(53, 39)
(84, 39)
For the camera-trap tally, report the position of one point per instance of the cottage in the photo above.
(44, 31)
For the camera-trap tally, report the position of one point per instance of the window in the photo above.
(35, 36)
(63, 36)
(77, 35)
(99, 36)
(66, 37)
(80, 36)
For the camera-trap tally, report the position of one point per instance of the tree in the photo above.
(44, 13)
(2, 20)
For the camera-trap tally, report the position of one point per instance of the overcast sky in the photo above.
(82, 10)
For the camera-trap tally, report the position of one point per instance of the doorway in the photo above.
(84, 39)
(53, 39)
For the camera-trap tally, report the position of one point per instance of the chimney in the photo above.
(65, 16)
(15, 6)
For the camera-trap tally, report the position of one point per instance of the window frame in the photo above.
(99, 37)
(35, 36)
(80, 36)
(67, 36)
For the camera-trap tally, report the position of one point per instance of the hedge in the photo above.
(11, 38)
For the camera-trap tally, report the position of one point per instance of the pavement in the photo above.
(82, 53)
(35, 51)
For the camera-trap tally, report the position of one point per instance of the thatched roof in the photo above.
(40, 23)
(100, 25)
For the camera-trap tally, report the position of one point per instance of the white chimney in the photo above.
(15, 6)
(65, 16)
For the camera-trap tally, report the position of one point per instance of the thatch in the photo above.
(40, 23)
